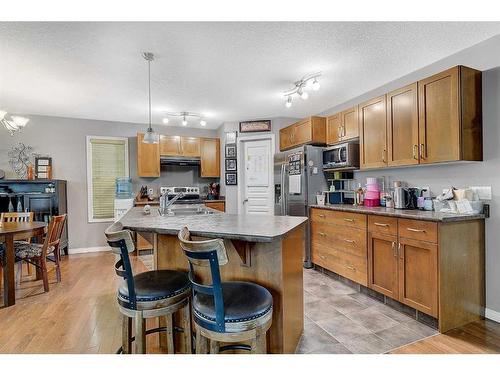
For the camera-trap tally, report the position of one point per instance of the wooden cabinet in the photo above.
(402, 126)
(170, 145)
(311, 130)
(373, 136)
(350, 124)
(190, 146)
(210, 157)
(450, 116)
(333, 128)
(218, 205)
(148, 158)
(418, 275)
(434, 267)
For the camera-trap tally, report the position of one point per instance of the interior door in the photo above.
(373, 140)
(402, 126)
(258, 188)
(439, 117)
(383, 264)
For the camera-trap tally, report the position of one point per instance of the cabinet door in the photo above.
(285, 138)
(219, 206)
(439, 125)
(402, 126)
(190, 146)
(148, 158)
(372, 125)
(170, 145)
(350, 124)
(302, 133)
(418, 275)
(333, 128)
(383, 264)
(210, 157)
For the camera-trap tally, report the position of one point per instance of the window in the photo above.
(107, 159)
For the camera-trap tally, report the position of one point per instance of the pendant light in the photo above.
(150, 137)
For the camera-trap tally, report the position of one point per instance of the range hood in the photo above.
(179, 160)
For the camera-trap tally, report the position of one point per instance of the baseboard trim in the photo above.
(492, 315)
(82, 250)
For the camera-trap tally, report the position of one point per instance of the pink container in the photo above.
(372, 202)
(372, 194)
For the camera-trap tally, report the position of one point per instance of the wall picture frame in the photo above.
(231, 179)
(231, 137)
(255, 126)
(230, 151)
(231, 165)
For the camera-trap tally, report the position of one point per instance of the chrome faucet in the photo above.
(165, 203)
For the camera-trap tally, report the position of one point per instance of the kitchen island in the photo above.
(267, 250)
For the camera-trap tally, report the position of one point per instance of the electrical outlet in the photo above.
(483, 192)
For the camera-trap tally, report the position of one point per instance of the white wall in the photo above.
(486, 57)
(231, 192)
(65, 140)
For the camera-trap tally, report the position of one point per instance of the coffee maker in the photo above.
(411, 198)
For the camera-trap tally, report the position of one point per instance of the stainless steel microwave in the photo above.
(344, 156)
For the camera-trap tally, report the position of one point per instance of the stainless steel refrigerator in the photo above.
(298, 177)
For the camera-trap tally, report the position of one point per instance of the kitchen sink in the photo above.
(186, 211)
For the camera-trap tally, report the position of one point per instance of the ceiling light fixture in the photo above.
(301, 86)
(185, 116)
(14, 124)
(165, 120)
(150, 137)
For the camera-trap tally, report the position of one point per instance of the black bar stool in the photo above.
(148, 295)
(229, 312)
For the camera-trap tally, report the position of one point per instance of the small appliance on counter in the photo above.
(124, 199)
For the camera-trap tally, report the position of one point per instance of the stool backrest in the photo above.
(208, 253)
(121, 244)
(16, 217)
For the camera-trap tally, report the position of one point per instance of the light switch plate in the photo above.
(484, 192)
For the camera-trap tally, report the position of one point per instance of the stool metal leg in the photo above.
(170, 334)
(126, 335)
(140, 333)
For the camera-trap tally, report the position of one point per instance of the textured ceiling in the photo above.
(230, 71)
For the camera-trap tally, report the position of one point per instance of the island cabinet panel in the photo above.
(373, 133)
(170, 145)
(418, 275)
(450, 116)
(402, 126)
(210, 157)
(311, 130)
(434, 267)
(148, 158)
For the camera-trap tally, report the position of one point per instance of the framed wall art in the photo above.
(230, 151)
(255, 126)
(231, 165)
(231, 179)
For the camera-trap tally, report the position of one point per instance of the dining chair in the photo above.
(38, 254)
(16, 217)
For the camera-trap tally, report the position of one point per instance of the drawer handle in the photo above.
(351, 268)
(322, 234)
(401, 253)
(416, 230)
(322, 216)
(349, 220)
(394, 252)
(322, 256)
(381, 224)
(350, 241)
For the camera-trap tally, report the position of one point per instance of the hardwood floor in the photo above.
(79, 315)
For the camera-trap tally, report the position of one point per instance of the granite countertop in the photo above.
(405, 214)
(252, 228)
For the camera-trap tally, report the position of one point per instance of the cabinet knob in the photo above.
(349, 241)
(415, 152)
(322, 234)
(349, 220)
(394, 252)
(422, 150)
(352, 268)
(322, 216)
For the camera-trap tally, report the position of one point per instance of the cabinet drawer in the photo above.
(339, 218)
(348, 265)
(418, 230)
(383, 225)
(350, 240)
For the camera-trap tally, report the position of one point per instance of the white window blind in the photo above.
(107, 159)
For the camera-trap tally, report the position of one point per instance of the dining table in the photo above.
(9, 232)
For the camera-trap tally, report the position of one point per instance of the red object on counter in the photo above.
(372, 202)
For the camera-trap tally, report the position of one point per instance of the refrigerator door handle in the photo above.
(283, 195)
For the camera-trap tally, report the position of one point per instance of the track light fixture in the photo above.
(185, 116)
(301, 86)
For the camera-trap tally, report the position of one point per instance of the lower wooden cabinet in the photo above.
(219, 206)
(383, 264)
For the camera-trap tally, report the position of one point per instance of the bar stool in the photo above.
(228, 312)
(148, 294)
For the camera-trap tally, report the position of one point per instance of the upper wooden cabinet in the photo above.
(333, 128)
(174, 145)
(402, 126)
(311, 130)
(450, 116)
(210, 157)
(350, 126)
(148, 158)
(373, 130)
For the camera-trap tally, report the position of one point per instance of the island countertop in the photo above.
(405, 214)
(252, 228)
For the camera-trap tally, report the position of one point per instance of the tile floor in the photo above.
(340, 320)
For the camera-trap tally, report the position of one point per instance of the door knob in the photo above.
(245, 200)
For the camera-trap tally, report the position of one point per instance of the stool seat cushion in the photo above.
(243, 301)
(156, 285)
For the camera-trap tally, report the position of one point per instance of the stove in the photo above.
(191, 194)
